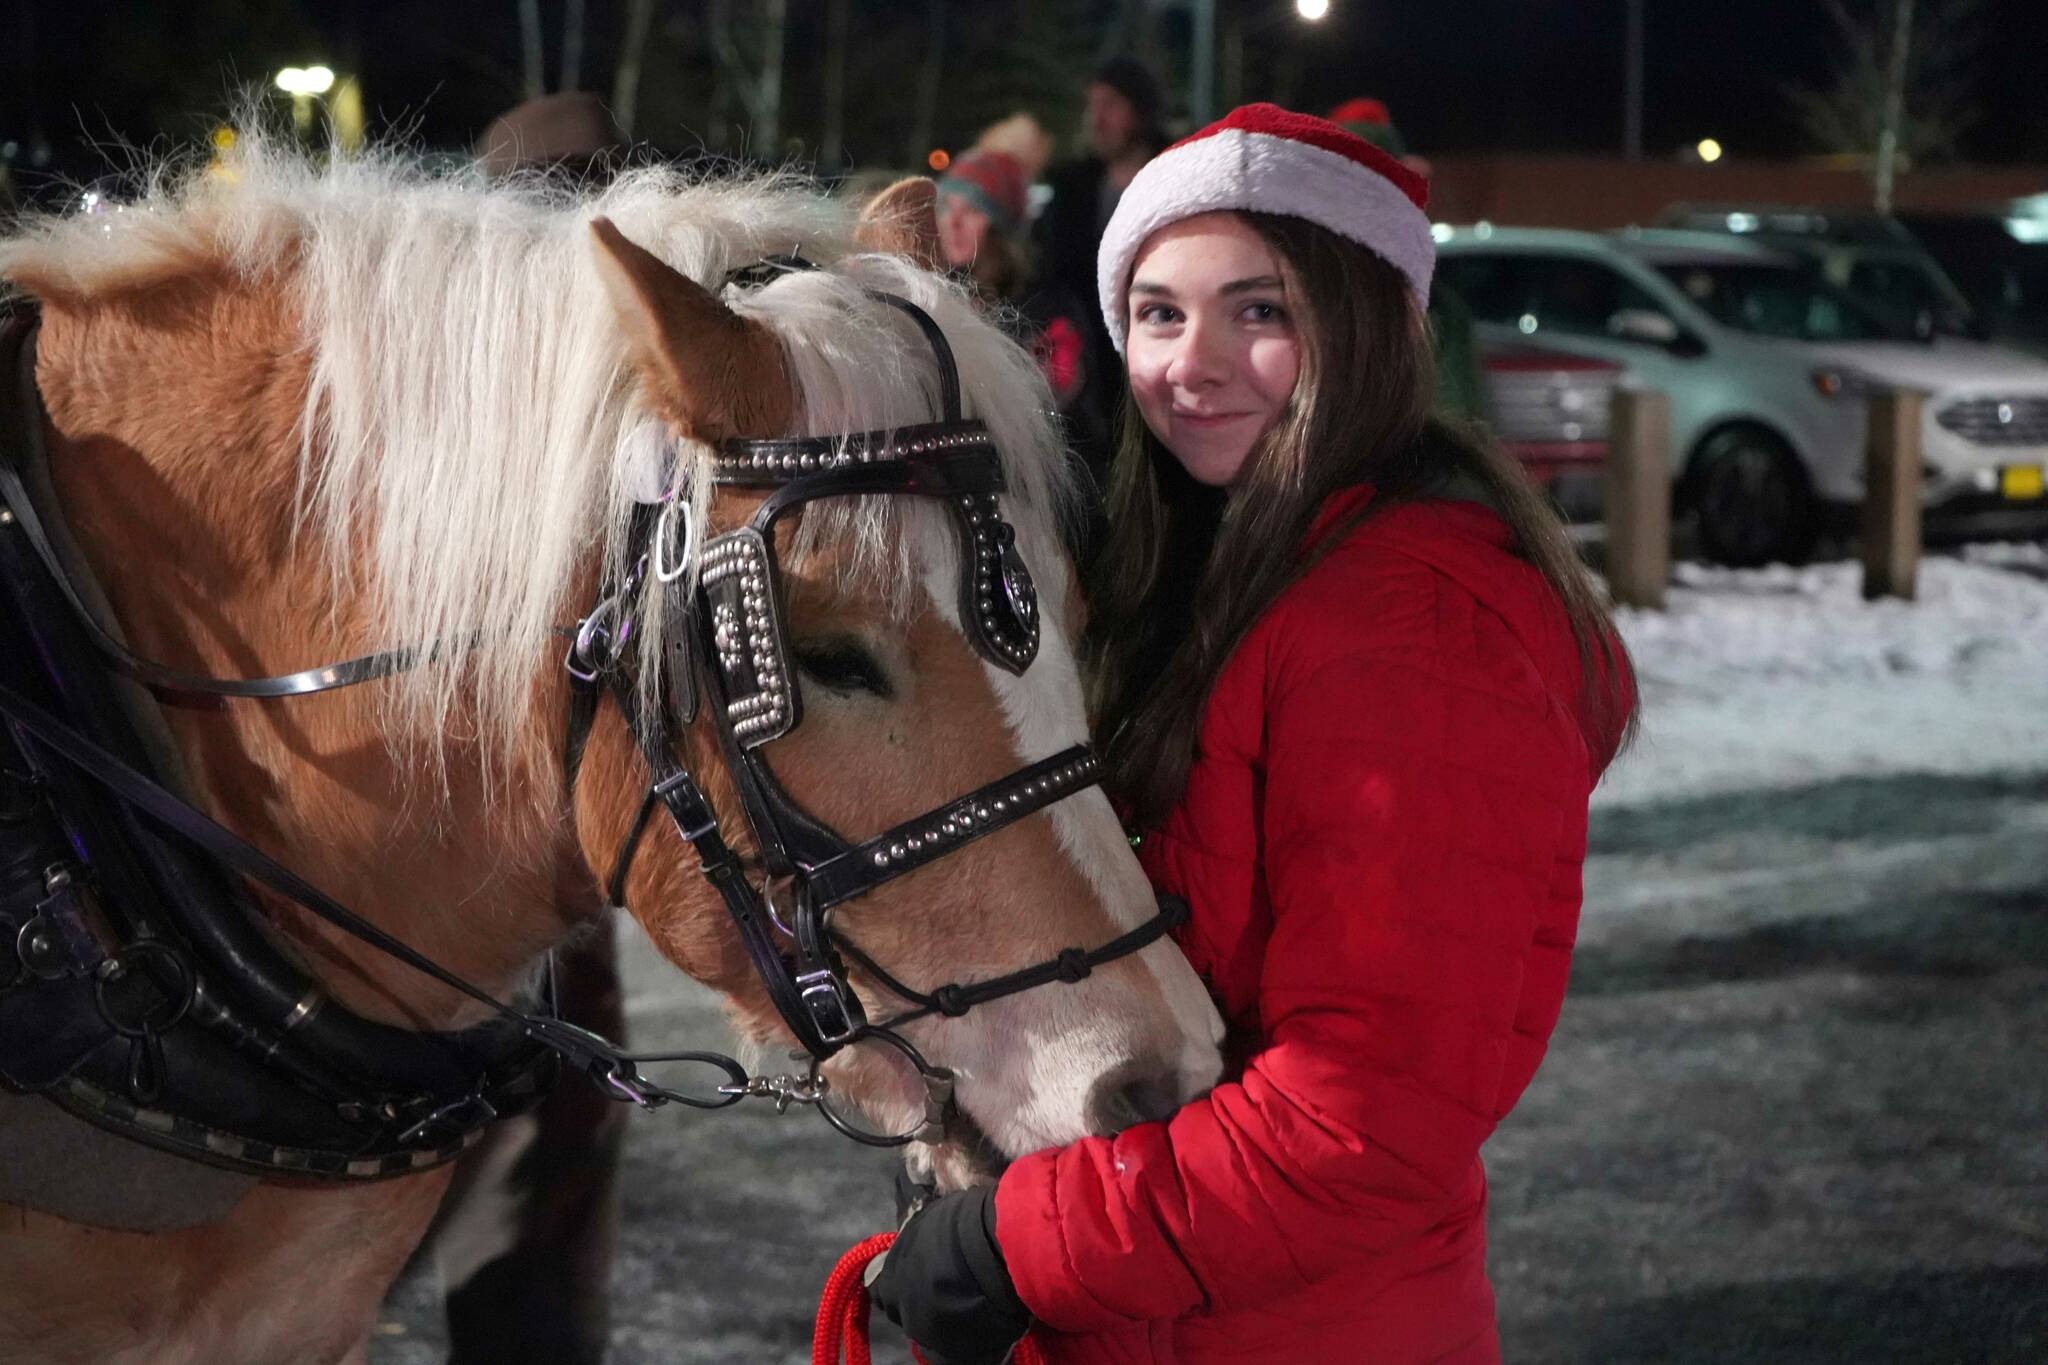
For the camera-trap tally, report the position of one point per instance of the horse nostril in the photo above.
(1134, 1093)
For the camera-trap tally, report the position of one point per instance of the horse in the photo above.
(298, 410)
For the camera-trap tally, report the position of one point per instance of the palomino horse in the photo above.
(297, 413)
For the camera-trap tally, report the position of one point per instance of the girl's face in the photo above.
(1212, 350)
(962, 228)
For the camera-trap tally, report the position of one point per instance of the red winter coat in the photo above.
(1381, 839)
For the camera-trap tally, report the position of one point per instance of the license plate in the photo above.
(2020, 482)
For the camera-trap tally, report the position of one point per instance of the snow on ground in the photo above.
(1780, 676)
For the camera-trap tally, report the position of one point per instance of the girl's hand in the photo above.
(944, 1282)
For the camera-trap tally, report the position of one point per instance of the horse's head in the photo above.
(900, 712)
(440, 399)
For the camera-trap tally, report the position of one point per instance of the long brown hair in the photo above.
(1360, 413)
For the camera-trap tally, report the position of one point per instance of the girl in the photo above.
(1357, 689)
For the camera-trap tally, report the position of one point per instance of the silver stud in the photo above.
(881, 857)
(897, 850)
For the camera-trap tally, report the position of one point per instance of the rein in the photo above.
(137, 967)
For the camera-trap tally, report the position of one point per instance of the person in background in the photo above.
(982, 199)
(1461, 378)
(570, 132)
(1122, 127)
(981, 206)
(1356, 688)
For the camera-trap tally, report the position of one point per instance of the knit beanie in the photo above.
(991, 181)
(1265, 158)
(1370, 120)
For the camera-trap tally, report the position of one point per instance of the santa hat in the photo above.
(1271, 160)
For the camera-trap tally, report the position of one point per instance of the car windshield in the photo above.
(1779, 301)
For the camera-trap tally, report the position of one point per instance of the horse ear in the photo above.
(713, 373)
(904, 219)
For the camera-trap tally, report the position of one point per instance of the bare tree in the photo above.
(632, 56)
(572, 45)
(760, 92)
(536, 78)
(1900, 91)
(1894, 101)
(832, 141)
(923, 130)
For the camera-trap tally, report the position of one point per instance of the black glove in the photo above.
(944, 1282)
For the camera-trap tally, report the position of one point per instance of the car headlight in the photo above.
(1843, 382)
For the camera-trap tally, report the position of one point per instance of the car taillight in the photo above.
(1843, 383)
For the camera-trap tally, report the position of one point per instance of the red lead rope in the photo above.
(842, 1332)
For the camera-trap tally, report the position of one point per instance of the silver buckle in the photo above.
(825, 1004)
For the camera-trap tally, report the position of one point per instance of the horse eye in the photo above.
(843, 665)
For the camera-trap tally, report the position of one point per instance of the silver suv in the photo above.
(1767, 366)
(1871, 256)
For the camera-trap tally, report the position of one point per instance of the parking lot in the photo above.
(1797, 1106)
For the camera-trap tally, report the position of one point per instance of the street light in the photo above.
(1312, 10)
(301, 81)
(1709, 149)
(306, 84)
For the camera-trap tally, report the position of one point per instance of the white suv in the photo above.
(1767, 366)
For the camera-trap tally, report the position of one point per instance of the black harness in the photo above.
(138, 989)
(139, 992)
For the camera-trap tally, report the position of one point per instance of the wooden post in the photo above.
(1891, 496)
(1636, 497)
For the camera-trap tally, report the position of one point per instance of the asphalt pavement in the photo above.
(1796, 1111)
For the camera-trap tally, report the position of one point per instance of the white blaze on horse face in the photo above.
(1093, 1027)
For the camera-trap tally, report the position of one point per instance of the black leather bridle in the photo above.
(157, 1009)
(729, 636)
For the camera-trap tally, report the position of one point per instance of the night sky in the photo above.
(1460, 75)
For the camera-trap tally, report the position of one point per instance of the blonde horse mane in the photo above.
(471, 433)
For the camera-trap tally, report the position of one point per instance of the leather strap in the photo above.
(28, 407)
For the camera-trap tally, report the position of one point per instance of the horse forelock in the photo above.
(472, 430)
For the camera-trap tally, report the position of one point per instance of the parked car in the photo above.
(1550, 410)
(1872, 256)
(1767, 366)
(2000, 262)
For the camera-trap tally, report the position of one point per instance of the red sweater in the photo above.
(1381, 838)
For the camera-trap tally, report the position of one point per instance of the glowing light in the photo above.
(1312, 10)
(939, 159)
(223, 139)
(306, 80)
(1440, 232)
(1709, 149)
